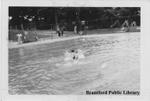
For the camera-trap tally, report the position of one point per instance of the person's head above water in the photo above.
(72, 50)
(75, 50)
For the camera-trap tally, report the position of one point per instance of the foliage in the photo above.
(49, 17)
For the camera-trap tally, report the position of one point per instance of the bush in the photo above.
(30, 36)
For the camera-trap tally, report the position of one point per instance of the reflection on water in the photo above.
(109, 63)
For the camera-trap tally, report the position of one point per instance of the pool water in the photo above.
(111, 62)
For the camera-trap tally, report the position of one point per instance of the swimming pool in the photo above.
(112, 62)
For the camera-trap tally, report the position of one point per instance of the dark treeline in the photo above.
(48, 17)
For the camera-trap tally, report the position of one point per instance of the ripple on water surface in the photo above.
(42, 70)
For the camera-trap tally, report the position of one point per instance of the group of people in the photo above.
(60, 30)
(79, 28)
(126, 26)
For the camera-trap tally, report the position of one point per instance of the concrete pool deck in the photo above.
(12, 45)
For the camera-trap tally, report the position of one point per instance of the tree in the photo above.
(43, 17)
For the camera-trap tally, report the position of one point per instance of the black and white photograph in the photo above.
(74, 50)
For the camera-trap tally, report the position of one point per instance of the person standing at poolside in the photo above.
(125, 26)
(58, 30)
(75, 29)
(82, 28)
(133, 24)
(19, 38)
(61, 30)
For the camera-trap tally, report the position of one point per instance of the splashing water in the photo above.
(104, 65)
(74, 55)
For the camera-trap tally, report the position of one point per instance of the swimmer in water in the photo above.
(74, 55)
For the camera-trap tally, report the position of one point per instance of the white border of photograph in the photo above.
(145, 49)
